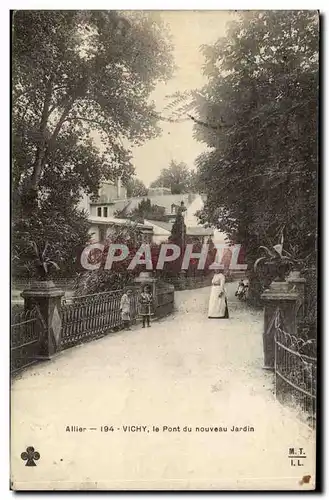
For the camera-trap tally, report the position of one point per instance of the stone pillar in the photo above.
(278, 295)
(146, 278)
(47, 297)
(182, 279)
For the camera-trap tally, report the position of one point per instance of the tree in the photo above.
(119, 276)
(178, 230)
(258, 116)
(74, 73)
(195, 184)
(77, 72)
(136, 187)
(56, 219)
(62, 227)
(176, 177)
(146, 210)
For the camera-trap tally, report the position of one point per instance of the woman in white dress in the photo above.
(218, 300)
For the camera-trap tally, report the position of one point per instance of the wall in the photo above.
(94, 210)
(190, 218)
(160, 238)
(159, 234)
(109, 192)
(189, 283)
(84, 202)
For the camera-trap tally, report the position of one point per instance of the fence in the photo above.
(295, 372)
(91, 316)
(26, 335)
(184, 282)
(189, 282)
(164, 300)
(83, 318)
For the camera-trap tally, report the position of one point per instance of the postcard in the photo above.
(164, 250)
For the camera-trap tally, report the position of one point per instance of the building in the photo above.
(112, 208)
(170, 203)
(162, 231)
(112, 197)
(101, 228)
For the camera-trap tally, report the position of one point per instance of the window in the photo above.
(105, 212)
(99, 212)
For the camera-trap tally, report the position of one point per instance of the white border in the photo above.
(165, 5)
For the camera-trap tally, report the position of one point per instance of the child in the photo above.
(125, 309)
(145, 303)
(240, 289)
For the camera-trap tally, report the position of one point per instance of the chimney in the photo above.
(118, 187)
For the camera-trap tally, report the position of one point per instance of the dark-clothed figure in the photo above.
(145, 306)
(242, 290)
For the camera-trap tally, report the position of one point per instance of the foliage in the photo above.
(179, 237)
(258, 114)
(309, 325)
(56, 222)
(147, 210)
(278, 260)
(176, 177)
(77, 72)
(178, 230)
(43, 263)
(135, 188)
(119, 275)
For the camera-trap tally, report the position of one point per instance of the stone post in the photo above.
(182, 279)
(146, 278)
(278, 295)
(47, 297)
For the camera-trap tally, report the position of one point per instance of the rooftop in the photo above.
(190, 231)
(117, 222)
(164, 200)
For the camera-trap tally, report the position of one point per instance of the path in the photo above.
(185, 370)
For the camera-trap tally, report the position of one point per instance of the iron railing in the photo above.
(164, 301)
(189, 282)
(295, 371)
(91, 316)
(25, 341)
(84, 318)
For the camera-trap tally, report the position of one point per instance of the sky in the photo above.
(189, 30)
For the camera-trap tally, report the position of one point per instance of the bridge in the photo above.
(184, 404)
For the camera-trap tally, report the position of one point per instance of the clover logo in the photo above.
(29, 456)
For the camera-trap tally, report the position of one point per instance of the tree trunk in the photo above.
(40, 153)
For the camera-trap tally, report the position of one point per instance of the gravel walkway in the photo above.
(185, 372)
